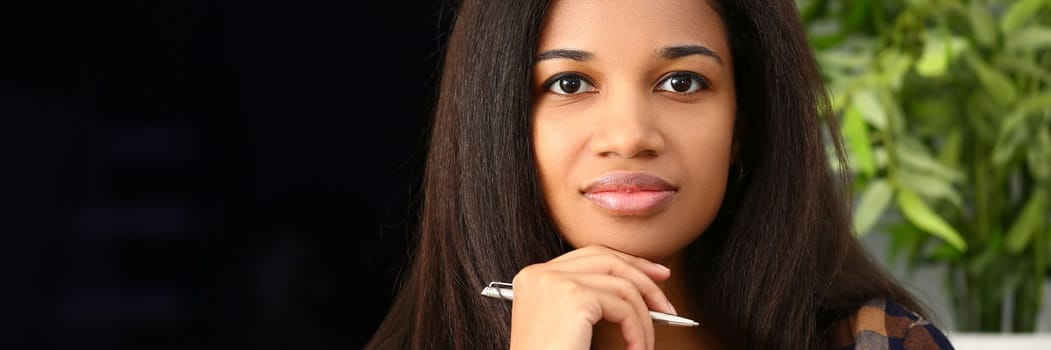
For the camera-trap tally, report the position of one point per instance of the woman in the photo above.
(616, 157)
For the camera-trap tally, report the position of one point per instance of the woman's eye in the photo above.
(684, 83)
(569, 85)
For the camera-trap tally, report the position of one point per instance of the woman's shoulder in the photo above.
(884, 324)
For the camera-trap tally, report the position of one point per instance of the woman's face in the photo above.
(633, 120)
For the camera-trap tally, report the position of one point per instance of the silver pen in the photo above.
(501, 290)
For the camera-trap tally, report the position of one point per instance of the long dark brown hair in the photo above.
(776, 268)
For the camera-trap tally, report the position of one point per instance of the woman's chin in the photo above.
(653, 242)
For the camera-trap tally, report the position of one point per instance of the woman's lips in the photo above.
(629, 193)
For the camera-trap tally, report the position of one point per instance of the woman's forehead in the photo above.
(617, 27)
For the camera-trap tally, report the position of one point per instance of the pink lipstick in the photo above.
(629, 193)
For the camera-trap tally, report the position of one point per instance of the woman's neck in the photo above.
(678, 290)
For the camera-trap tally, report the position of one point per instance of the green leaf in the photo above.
(918, 3)
(858, 13)
(949, 154)
(856, 133)
(1035, 102)
(892, 108)
(843, 59)
(926, 219)
(995, 82)
(1039, 156)
(945, 252)
(979, 107)
(1027, 223)
(981, 23)
(870, 108)
(1024, 67)
(934, 114)
(893, 66)
(1030, 38)
(935, 58)
(824, 33)
(930, 187)
(914, 155)
(1011, 135)
(838, 96)
(1013, 129)
(1018, 14)
(938, 51)
(806, 8)
(871, 205)
(879, 154)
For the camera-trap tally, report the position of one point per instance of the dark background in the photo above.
(199, 174)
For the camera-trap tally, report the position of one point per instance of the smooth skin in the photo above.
(622, 86)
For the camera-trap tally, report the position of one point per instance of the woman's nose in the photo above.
(627, 127)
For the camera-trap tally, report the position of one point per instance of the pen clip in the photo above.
(499, 290)
(501, 285)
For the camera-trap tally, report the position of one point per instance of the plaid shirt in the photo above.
(886, 325)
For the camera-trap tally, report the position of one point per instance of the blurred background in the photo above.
(206, 174)
(945, 110)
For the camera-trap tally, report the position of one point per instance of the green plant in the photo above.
(945, 109)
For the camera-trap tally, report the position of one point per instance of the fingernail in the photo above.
(672, 309)
(662, 267)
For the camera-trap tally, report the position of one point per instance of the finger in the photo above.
(622, 304)
(612, 265)
(656, 271)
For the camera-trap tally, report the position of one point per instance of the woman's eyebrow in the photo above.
(668, 53)
(673, 52)
(576, 55)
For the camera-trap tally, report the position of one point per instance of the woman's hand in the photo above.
(557, 303)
